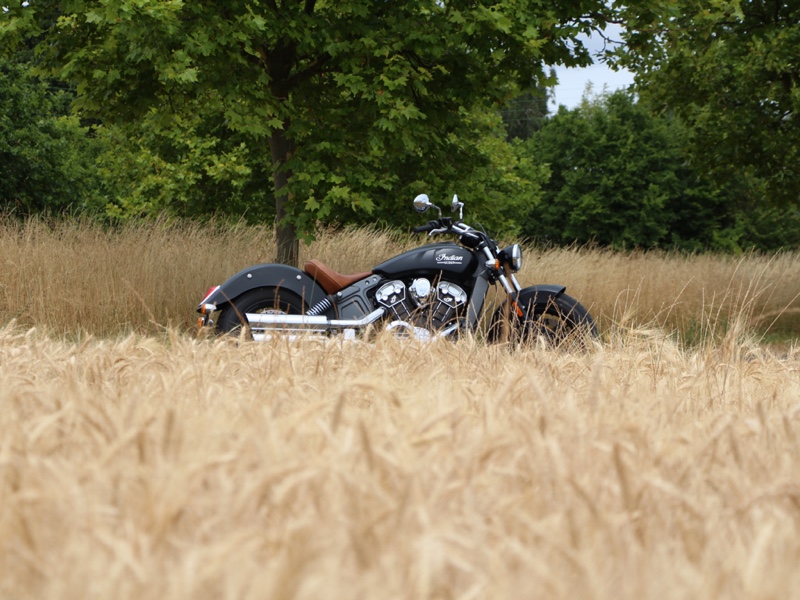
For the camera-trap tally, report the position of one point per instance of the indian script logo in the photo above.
(443, 258)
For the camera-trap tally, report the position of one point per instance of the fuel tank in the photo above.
(444, 257)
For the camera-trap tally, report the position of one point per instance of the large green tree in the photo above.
(198, 167)
(395, 79)
(731, 70)
(619, 177)
(47, 157)
(194, 167)
(525, 114)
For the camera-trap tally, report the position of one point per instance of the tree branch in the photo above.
(315, 68)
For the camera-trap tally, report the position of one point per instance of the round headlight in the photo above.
(513, 255)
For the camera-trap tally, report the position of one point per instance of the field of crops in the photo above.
(138, 462)
(74, 278)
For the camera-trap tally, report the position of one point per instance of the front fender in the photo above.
(536, 294)
(539, 294)
(525, 300)
(266, 275)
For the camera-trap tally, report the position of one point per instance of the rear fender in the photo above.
(265, 275)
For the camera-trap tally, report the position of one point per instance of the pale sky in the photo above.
(572, 82)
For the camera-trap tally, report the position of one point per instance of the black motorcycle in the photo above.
(434, 291)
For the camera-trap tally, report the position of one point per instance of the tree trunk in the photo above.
(288, 248)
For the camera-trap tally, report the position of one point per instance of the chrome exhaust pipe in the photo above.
(316, 324)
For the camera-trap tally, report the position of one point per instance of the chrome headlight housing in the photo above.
(513, 256)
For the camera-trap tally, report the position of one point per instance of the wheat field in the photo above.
(75, 278)
(138, 461)
(178, 468)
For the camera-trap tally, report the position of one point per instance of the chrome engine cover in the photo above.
(419, 306)
(420, 290)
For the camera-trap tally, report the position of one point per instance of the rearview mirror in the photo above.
(422, 203)
(457, 206)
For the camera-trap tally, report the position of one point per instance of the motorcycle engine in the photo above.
(420, 305)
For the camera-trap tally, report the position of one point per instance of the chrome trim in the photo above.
(268, 319)
(320, 307)
(504, 282)
(457, 206)
(370, 318)
(516, 257)
(422, 203)
(312, 322)
(418, 333)
(449, 330)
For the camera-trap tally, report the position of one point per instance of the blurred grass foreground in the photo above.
(138, 462)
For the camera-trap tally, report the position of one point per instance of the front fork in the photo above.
(506, 278)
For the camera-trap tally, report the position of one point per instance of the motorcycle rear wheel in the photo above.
(561, 322)
(268, 300)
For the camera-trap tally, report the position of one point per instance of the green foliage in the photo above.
(492, 176)
(198, 169)
(729, 70)
(619, 177)
(46, 156)
(524, 115)
(317, 93)
(192, 168)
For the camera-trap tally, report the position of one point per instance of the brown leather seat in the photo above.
(330, 280)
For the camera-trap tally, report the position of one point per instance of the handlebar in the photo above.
(429, 226)
(468, 236)
(447, 225)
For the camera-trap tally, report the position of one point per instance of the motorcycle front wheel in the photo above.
(560, 322)
(268, 300)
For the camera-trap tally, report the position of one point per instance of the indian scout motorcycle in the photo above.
(433, 291)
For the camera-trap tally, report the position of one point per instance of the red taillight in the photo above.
(210, 291)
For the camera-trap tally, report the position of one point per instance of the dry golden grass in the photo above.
(138, 462)
(137, 468)
(74, 278)
(698, 295)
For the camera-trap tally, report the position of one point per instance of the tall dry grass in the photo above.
(695, 294)
(170, 468)
(139, 462)
(73, 277)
